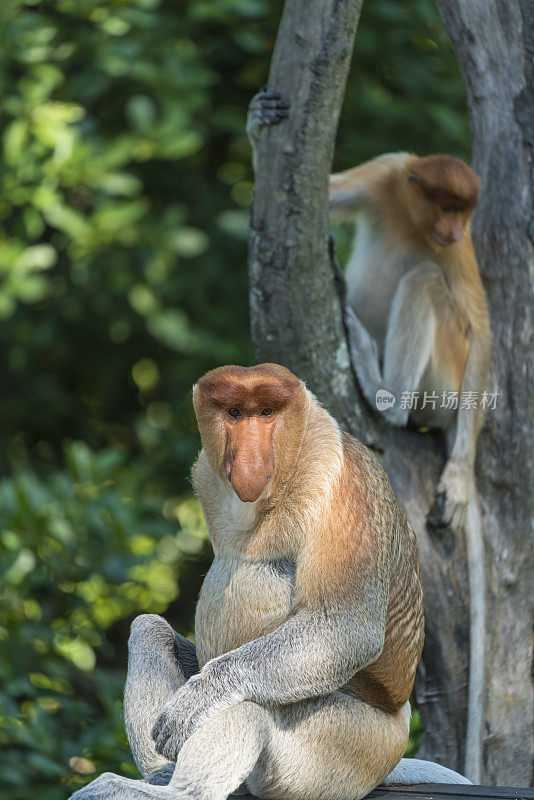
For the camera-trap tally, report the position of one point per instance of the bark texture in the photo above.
(494, 42)
(297, 320)
(295, 311)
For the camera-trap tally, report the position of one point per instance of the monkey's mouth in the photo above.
(439, 239)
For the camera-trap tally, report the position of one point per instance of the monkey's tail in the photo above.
(414, 770)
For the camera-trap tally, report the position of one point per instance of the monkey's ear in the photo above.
(413, 178)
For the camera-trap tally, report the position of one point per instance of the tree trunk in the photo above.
(297, 320)
(494, 42)
(289, 226)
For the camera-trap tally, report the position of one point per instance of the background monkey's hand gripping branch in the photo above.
(313, 653)
(265, 109)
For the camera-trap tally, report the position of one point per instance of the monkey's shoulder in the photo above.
(364, 469)
(371, 497)
(241, 600)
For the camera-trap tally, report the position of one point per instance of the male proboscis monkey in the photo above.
(309, 624)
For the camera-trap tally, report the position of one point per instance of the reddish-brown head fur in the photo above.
(443, 191)
(240, 412)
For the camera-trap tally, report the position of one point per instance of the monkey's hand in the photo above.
(266, 108)
(194, 704)
(452, 496)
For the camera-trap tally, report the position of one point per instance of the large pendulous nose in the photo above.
(250, 460)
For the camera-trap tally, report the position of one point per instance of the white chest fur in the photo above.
(239, 601)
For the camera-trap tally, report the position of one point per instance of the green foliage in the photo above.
(125, 181)
(79, 553)
(405, 91)
(118, 239)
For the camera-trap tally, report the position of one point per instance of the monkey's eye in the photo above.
(234, 412)
(266, 412)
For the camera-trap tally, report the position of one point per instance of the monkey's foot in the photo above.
(396, 415)
(115, 787)
(266, 108)
(452, 495)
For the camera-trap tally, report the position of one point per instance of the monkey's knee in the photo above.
(150, 630)
(153, 641)
(219, 756)
(154, 675)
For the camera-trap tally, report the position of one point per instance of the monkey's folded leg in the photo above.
(159, 662)
(364, 355)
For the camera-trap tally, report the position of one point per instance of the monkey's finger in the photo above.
(161, 739)
(452, 513)
(169, 740)
(159, 744)
(273, 103)
(273, 111)
(272, 118)
(457, 516)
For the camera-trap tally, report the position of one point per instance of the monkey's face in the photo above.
(441, 193)
(250, 419)
(441, 224)
(449, 226)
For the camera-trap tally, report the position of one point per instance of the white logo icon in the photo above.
(384, 399)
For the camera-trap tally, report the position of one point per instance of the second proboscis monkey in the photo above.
(419, 327)
(416, 308)
(309, 624)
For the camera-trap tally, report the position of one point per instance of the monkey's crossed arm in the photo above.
(312, 654)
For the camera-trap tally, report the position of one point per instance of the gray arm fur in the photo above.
(312, 654)
(344, 204)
